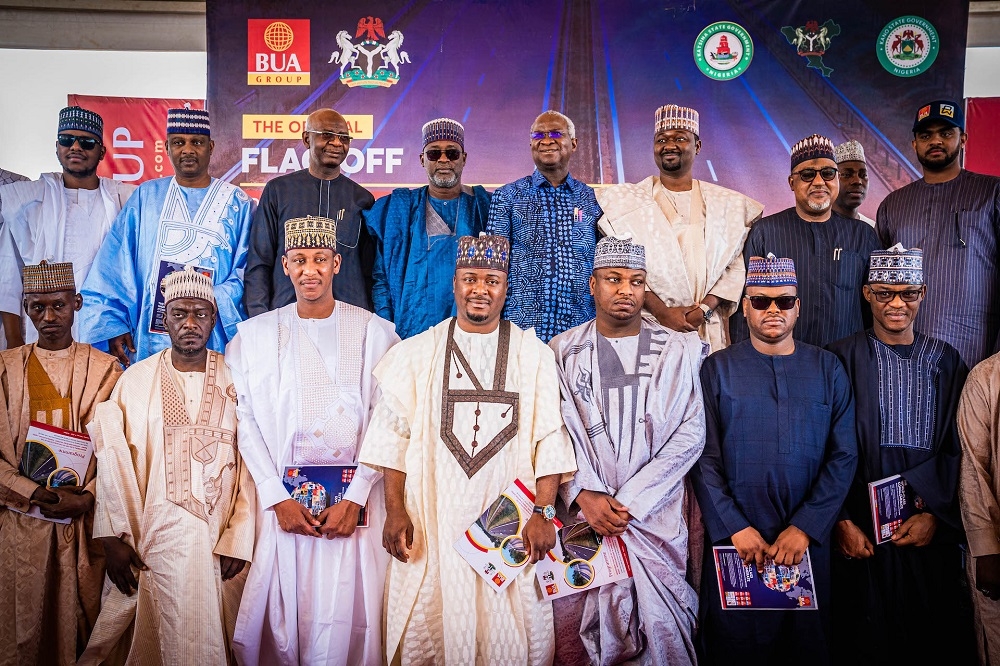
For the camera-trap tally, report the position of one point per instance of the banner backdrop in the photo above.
(134, 133)
(982, 122)
(763, 74)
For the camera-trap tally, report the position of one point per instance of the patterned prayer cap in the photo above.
(489, 252)
(76, 118)
(811, 148)
(849, 151)
(897, 265)
(672, 116)
(46, 278)
(188, 121)
(443, 129)
(188, 283)
(771, 272)
(619, 252)
(310, 233)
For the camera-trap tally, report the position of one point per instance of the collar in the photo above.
(538, 180)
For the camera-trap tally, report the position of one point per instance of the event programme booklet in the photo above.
(581, 560)
(54, 457)
(778, 587)
(893, 501)
(493, 544)
(318, 486)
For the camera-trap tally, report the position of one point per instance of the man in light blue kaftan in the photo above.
(187, 219)
(416, 234)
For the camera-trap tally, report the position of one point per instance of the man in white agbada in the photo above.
(632, 405)
(304, 379)
(61, 217)
(468, 407)
(189, 218)
(693, 232)
(174, 500)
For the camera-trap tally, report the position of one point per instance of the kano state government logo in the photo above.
(357, 61)
(811, 41)
(907, 46)
(723, 51)
(278, 52)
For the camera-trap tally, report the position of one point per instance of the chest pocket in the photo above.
(849, 270)
(808, 427)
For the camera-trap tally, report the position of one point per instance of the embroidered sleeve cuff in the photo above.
(361, 486)
(271, 491)
(983, 542)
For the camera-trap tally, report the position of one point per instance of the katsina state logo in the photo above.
(369, 76)
(907, 46)
(723, 51)
(811, 41)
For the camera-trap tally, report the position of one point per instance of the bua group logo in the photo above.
(278, 52)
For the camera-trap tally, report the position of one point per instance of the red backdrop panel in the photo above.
(982, 123)
(134, 132)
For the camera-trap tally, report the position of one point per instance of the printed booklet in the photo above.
(893, 501)
(779, 587)
(581, 560)
(54, 457)
(318, 486)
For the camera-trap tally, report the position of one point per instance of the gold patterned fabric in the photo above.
(310, 232)
(46, 278)
(51, 574)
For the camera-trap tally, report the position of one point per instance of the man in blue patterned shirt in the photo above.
(550, 219)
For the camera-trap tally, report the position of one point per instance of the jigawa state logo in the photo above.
(907, 46)
(812, 41)
(723, 51)
(366, 74)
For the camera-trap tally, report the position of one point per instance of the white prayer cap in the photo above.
(849, 151)
(619, 252)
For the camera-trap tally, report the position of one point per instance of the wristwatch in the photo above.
(548, 512)
(708, 312)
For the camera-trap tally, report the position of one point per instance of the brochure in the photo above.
(319, 486)
(893, 501)
(159, 306)
(54, 457)
(581, 560)
(493, 545)
(779, 587)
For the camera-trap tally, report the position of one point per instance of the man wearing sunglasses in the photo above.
(780, 454)
(323, 191)
(902, 599)
(61, 217)
(188, 219)
(830, 251)
(550, 219)
(693, 231)
(954, 215)
(853, 172)
(416, 234)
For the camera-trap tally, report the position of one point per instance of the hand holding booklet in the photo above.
(778, 587)
(893, 501)
(582, 560)
(55, 457)
(317, 487)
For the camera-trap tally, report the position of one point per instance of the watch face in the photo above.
(549, 512)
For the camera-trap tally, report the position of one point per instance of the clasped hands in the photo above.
(62, 502)
(917, 530)
(787, 549)
(337, 521)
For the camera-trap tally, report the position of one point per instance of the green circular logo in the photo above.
(723, 51)
(907, 46)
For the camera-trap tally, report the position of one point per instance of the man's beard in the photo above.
(939, 163)
(187, 352)
(477, 318)
(80, 173)
(817, 206)
(445, 183)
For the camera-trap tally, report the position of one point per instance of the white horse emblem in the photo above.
(391, 55)
(348, 52)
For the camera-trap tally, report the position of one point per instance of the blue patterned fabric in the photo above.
(553, 234)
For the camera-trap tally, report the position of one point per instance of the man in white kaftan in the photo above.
(61, 217)
(693, 232)
(173, 498)
(187, 219)
(463, 415)
(632, 405)
(303, 375)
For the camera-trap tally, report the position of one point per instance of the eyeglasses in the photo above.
(764, 302)
(809, 175)
(552, 134)
(86, 142)
(886, 296)
(434, 154)
(327, 137)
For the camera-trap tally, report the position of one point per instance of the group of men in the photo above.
(655, 359)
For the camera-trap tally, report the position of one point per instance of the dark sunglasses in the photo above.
(434, 154)
(67, 141)
(809, 175)
(552, 134)
(886, 296)
(764, 302)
